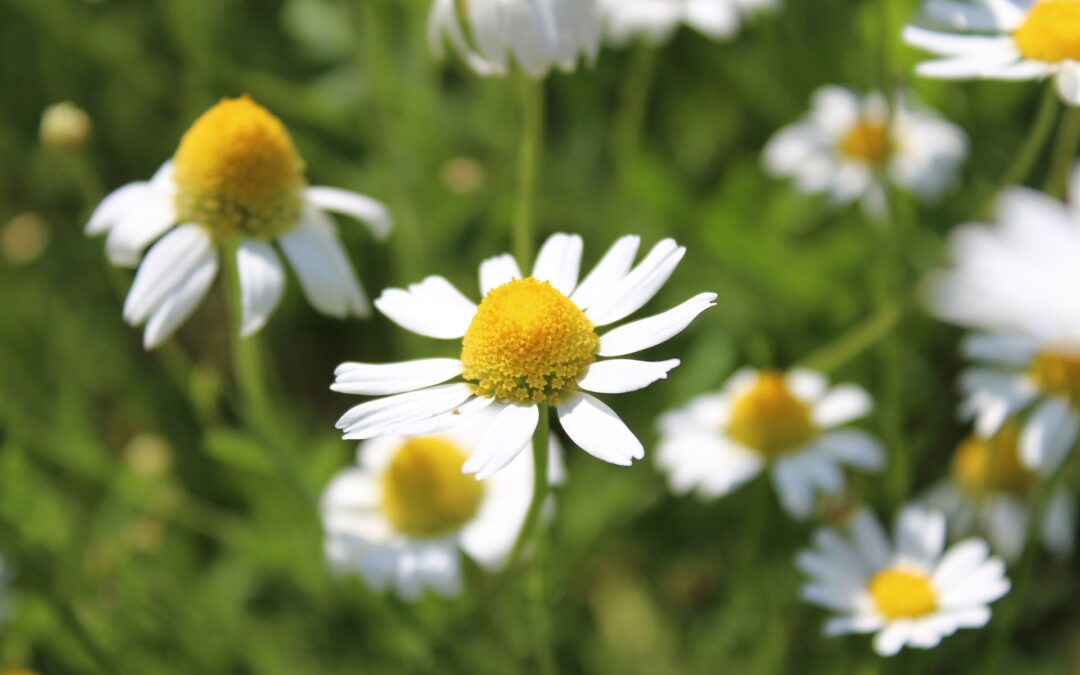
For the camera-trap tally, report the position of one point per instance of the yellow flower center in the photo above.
(1058, 373)
(1051, 32)
(424, 493)
(902, 594)
(992, 465)
(867, 142)
(528, 342)
(238, 173)
(770, 419)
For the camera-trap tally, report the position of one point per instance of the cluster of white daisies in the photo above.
(539, 343)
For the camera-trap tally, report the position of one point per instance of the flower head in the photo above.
(655, 21)
(400, 517)
(235, 183)
(536, 34)
(533, 339)
(846, 145)
(785, 422)
(912, 592)
(1003, 40)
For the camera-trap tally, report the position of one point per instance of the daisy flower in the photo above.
(990, 490)
(1003, 40)
(655, 21)
(237, 183)
(786, 422)
(847, 144)
(911, 592)
(402, 516)
(1013, 281)
(536, 34)
(532, 340)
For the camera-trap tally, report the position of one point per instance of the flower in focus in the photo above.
(911, 592)
(1012, 282)
(236, 184)
(1003, 40)
(531, 340)
(655, 21)
(990, 490)
(846, 146)
(784, 421)
(65, 127)
(536, 34)
(400, 518)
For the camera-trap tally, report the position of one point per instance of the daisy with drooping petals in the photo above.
(400, 518)
(236, 182)
(538, 35)
(1016, 281)
(1003, 40)
(912, 592)
(766, 419)
(846, 145)
(991, 491)
(655, 21)
(532, 340)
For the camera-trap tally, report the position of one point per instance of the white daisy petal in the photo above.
(1068, 83)
(433, 308)
(854, 448)
(639, 286)
(893, 637)
(365, 209)
(611, 269)
(444, 421)
(137, 228)
(168, 263)
(322, 265)
(988, 17)
(807, 385)
(860, 623)
(619, 376)
(559, 262)
(596, 428)
(393, 378)
(495, 272)
(262, 280)
(180, 303)
(869, 537)
(949, 44)
(1049, 433)
(379, 417)
(505, 438)
(843, 404)
(920, 535)
(644, 333)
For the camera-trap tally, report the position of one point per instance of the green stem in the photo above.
(1036, 140)
(532, 138)
(1068, 141)
(540, 488)
(859, 338)
(633, 103)
(85, 638)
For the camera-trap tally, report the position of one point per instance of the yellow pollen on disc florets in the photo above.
(867, 142)
(992, 465)
(238, 173)
(424, 493)
(528, 343)
(1057, 373)
(900, 594)
(769, 419)
(1051, 32)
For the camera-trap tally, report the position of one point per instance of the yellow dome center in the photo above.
(528, 342)
(1058, 373)
(770, 419)
(424, 493)
(902, 594)
(992, 465)
(238, 173)
(867, 142)
(1051, 32)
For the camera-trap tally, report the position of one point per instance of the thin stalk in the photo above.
(633, 103)
(1068, 141)
(850, 344)
(540, 488)
(85, 638)
(1033, 145)
(529, 150)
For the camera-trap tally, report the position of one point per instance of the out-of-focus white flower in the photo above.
(538, 35)
(783, 422)
(655, 21)
(1003, 40)
(1016, 281)
(400, 518)
(236, 181)
(989, 490)
(531, 340)
(846, 145)
(911, 592)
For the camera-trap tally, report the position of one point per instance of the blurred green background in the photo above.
(143, 523)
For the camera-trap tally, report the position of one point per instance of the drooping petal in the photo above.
(322, 265)
(381, 417)
(137, 228)
(371, 212)
(180, 303)
(169, 263)
(505, 438)
(262, 280)
(598, 430)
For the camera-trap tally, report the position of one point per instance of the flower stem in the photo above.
(633, 103)
(540, 488)
(529, 150)
(1036, 140)
(1068, 141)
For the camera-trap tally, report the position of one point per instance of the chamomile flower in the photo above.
(912, 592)
(655, 21)
(533, 339)
(1013, 282)
(847, 145)
(537, 35)
(402, 516)
(989, 490)
(783, 422)
(236, 183)
(1003, 40)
